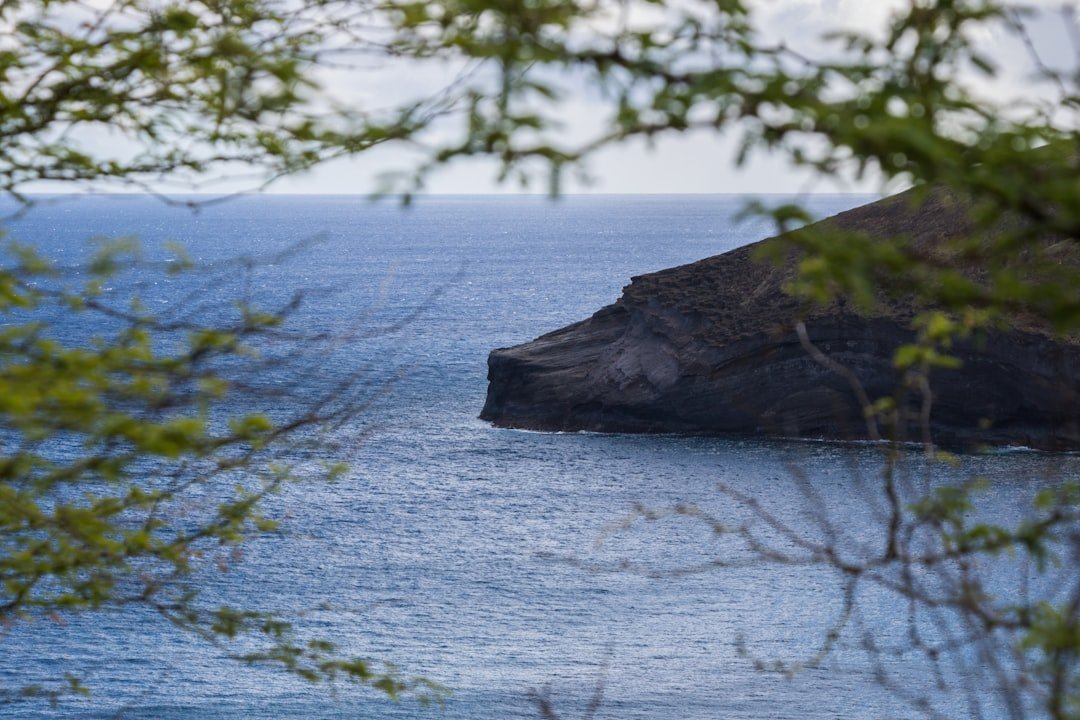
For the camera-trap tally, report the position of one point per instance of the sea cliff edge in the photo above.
(711, 348)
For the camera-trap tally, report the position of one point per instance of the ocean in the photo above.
(501, 564)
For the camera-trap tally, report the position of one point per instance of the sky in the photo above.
(699, 162)
(702, 162)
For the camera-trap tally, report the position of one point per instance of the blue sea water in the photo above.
(493, 561)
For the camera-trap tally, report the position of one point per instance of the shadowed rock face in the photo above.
(709, 348)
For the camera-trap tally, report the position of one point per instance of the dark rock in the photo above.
(710, 348)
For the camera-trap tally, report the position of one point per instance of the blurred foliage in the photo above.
(172, 95)
(128, 471)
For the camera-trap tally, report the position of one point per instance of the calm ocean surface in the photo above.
(465, 553)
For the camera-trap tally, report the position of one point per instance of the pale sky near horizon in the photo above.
(691, 163)
(703, 162)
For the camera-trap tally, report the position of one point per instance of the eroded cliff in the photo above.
(710, 347)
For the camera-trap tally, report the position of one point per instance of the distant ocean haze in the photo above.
(469, 554)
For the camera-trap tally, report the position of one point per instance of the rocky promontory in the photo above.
(711, 348)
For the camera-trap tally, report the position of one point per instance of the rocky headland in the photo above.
(711, 348)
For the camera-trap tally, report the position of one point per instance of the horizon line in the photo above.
(377, 196)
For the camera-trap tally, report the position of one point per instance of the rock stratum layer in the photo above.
(710, 348)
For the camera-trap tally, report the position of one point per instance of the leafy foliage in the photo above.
(190, 91)
(126, 477)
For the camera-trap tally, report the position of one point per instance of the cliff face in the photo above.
(710, 348)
